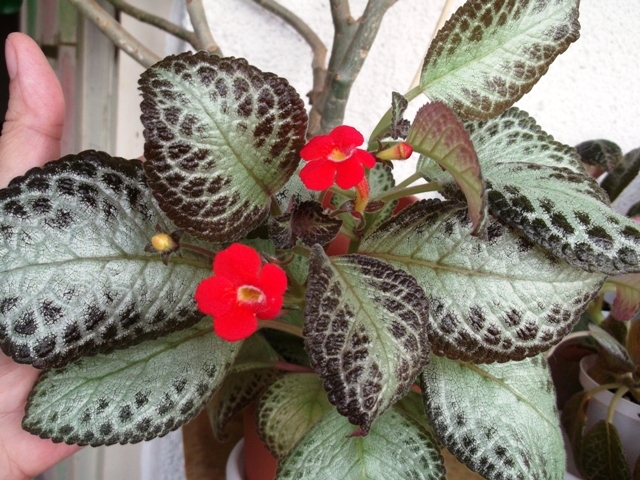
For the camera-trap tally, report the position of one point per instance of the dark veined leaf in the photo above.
(221, 138)
(627, 301)
(599, 156)
(252, 372)
(602, 454)
(622, 175)
(539, 186)
(288, 409)
(489, 54)
(399, 126)
(437, 133)
(397, 448)
(74, 277)
(500, 420)
(496, 300)
(130, 395)
(612, 353)
(306, 222)
(365, 331)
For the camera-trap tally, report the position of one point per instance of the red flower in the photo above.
(240, 292)
(335, 158)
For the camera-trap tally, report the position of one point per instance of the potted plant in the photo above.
(428, 332)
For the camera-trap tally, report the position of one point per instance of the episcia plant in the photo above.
(427, 331)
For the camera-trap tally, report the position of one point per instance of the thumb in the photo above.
(33, 125)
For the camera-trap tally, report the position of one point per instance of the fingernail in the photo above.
(11, 59)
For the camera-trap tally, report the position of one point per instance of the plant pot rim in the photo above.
(235, 463)
(625, 407)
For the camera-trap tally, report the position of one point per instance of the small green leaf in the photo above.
(130, 395)
(396, 448)
(399, 126)
(489, 54)
(599, 156)
(602, 454)
(614, 355)
(305, 222)
(540, 187)
(500, 419)
(480, 292)
(221, 137)
(365, 331)
(252, 372)
(574, 419)
(288, 409)
(437, 133)
(74, 277)
(622, 175)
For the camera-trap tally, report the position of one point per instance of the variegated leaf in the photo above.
(496, 300)
(397, 448)
(306, 222)
(221, 138)
(399, 126)
(288, 409)
(539, 186)
(599, 156)
(130, 395)
(437, 133)
(489, 54)
(74, 277)
(365, 331)
(500, 420)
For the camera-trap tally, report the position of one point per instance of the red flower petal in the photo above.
(364, 158)
(272, 280)
(318, 148)
(238, 324)
(318, 174)
(215, 295)
(271, 307)
(346, 138)
(239, 263)
(349, 173)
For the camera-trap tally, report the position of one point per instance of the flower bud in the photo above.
(400, 151)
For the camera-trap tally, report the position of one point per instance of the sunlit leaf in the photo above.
(130, 395)
(397, 448)
(74, 277)
(365, 331)
(484, 296)
(288, 409)
(500, 420)
(437, 133)
(489, 54)
(221, 137)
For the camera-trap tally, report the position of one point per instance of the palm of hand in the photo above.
(30, 137)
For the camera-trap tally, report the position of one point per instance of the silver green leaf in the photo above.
(221, 138)
(540, 187)
(288, 409)
(489, 54)
(397, 448)
(74, 277)
(365, 332)
(500, 420)
(130, 395)
(495, 300)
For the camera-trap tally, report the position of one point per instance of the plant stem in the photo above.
(292, 367)
(318, 49)
(161, 23)
(340, 191)
(614, 402)
(197, 249)
(120, 37)
(396, 193)
(414, 177)
(281, 326)
(198, 18)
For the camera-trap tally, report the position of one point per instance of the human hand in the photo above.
(30, 137)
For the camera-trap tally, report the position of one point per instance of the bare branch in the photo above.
(341, 77)
(114, 31)
(161, 23)
(201, 27)
(318, 49)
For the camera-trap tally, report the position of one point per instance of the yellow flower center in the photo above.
(338, 155)
(250, 294)
(162, 242)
